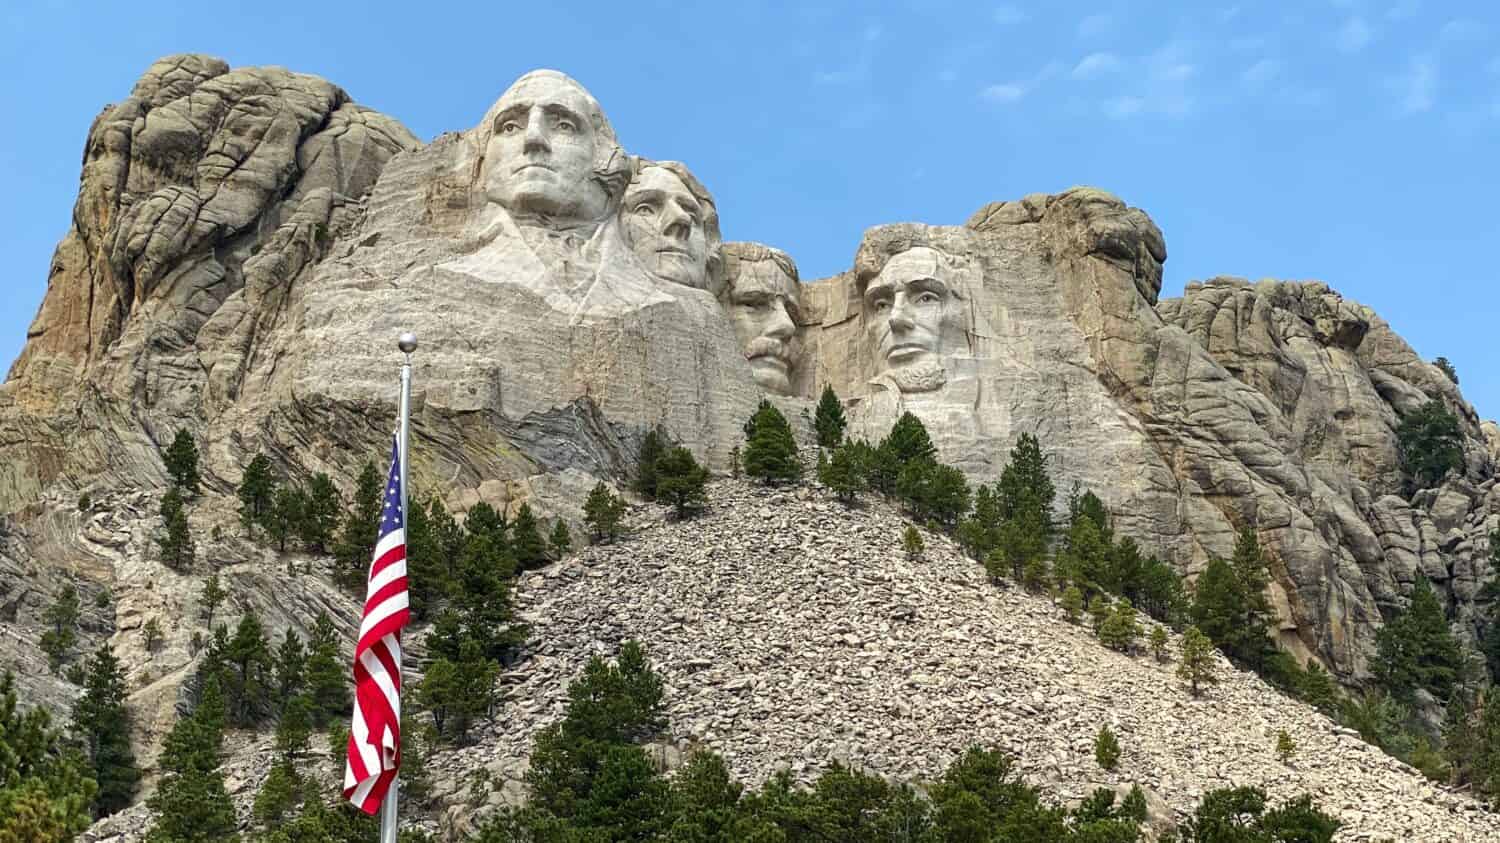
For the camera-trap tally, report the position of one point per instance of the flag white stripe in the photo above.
(387, 607)
(386, 575)
(367, 754)
(383, 679)
(388, 541)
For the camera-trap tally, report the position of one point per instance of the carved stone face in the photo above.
(913, 319)
(763, 302)
(665, 225)
(540, 156)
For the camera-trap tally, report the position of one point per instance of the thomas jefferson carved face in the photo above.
(913, 318)
(763, 301)
(543, 148)
(667, 226)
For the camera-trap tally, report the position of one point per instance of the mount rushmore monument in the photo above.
(247, 243)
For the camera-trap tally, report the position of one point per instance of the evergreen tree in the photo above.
(257, 491)
(933, 491)
(320, 514)
(191, 803)
(248, 674)
(526, 542)
(1159, 642)
(62, 622)
(652, 448)
(911, 542)
(770, 448)
(846, 472)
(1447, 369)
(1034, 575)
(1196, 661)
(602, 512)
(1285, 747)
(1230, 604)
(45, 783)
(356, 544)
(1084, 558)
(828, 419)
(212, 596)
(277, 796)
(457, 693)
(1431, 444)
(182, 462)
(1107, 748)
(484, 520)
(484, 602)
(1416, 649)
(906, 443)
(285, 516)
(561, 540)
(293, 728)
(1316, 688)
(681, 481)
(1099, 612)
(1072, 603)
(325, 674)
(171, 504)
(291, 657)
(1120, 630)
(1239, 815)
(102, 724)
(176, 542)
(1025, 491)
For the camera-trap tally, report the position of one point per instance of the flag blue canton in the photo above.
(391, 515)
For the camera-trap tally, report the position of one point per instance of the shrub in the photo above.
(828, 420)
(846, 472)
(770, 449)
(1431, 444)
(1196, 663)
(911, 542)
(681, 482)
(652, 448)
(602, 513)
(1285, 747)
(1107, 748)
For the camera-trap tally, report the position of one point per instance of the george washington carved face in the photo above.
(672, 225)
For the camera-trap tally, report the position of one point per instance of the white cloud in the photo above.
(1263, 71)
(1096, 64)
(1164, 87)
(1005, 93)
(1354, 35)
(1416, 89)
(1094, 25)
(1006, 14)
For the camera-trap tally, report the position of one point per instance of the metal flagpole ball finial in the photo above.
(407, 342)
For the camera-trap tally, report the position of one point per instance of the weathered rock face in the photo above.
(247, 243)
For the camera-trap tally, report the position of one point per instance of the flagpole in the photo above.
(408, 344)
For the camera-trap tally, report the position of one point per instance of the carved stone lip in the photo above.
(776, 359)
(906, 349)
(532, 164)
(674, 250)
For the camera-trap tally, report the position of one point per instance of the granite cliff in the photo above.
(246, 244)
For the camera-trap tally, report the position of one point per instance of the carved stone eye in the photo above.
(567, 126)
(510, 127)
(928, 298)
(643, 209)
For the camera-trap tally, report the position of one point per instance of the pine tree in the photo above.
(324, 674)
(602, 513)
(257, 491)
(1120, 630)
(278, 794)
(1034, 575)
(911, 542)
(1285, 747)
(1159, 642)
(933, 491)
(1231, 607)
(560, 540)
(652, 448)
(1099, 612)
(293, 728)
(770, 449)
(828, 419)
(681, 482)
(45, 783)
(526, 541)
(456, 693)
(1023, 497)
(1416, 649)
(182, 462)
(176, 542)
(191, 802)
(249, 672)
(846, 472)
(906, 443)
(1107, 748)
(171, 504)
(101, 722)
(291, 659)
(356, 544)
(1431, 444)
(62, 619)
(1072, 603)
(212, 596)
(1447, 369)
(320, 513)
(1196, 662)
(285, 516)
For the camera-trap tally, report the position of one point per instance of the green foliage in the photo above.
(736, 462)
(1447, 369)
(294, 728)
(212, 596)
(191, 804)
(319, 518)
(653, 445)
(1239, 815)
(681, 482)
(361, 526)
(456, 693)
(911, 542)
(182, 462)
(246, 676)
(907, 442)
(1230, 604)
(286, 515)
(933, 491)
(62, 626)
(325, 675)
(1034, 575)
(602, 512)
(85, 502)
(278, 795)
(1285, 746)
(1416, 650)
(1107, 748)
(176, 541)
(1121, 630)
(257, 491)
(1084, 558)
(1159, 642)
(101, 723)
(1072, 603)
(291, 660)
(1431, 444)
(828, 419)
(770, 448)
(1099, 612)
(1196, 660)
(846, 471)
(526, 543)
(561, 540)
(45, 784)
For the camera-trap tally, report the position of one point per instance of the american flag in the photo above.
(375, 737)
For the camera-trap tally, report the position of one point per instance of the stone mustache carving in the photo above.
(915, 303)
(763, 298)
(672, 225)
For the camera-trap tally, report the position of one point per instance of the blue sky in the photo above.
(1350, 141)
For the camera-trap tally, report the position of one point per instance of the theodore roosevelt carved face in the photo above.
(763, 299)
(672, 225)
